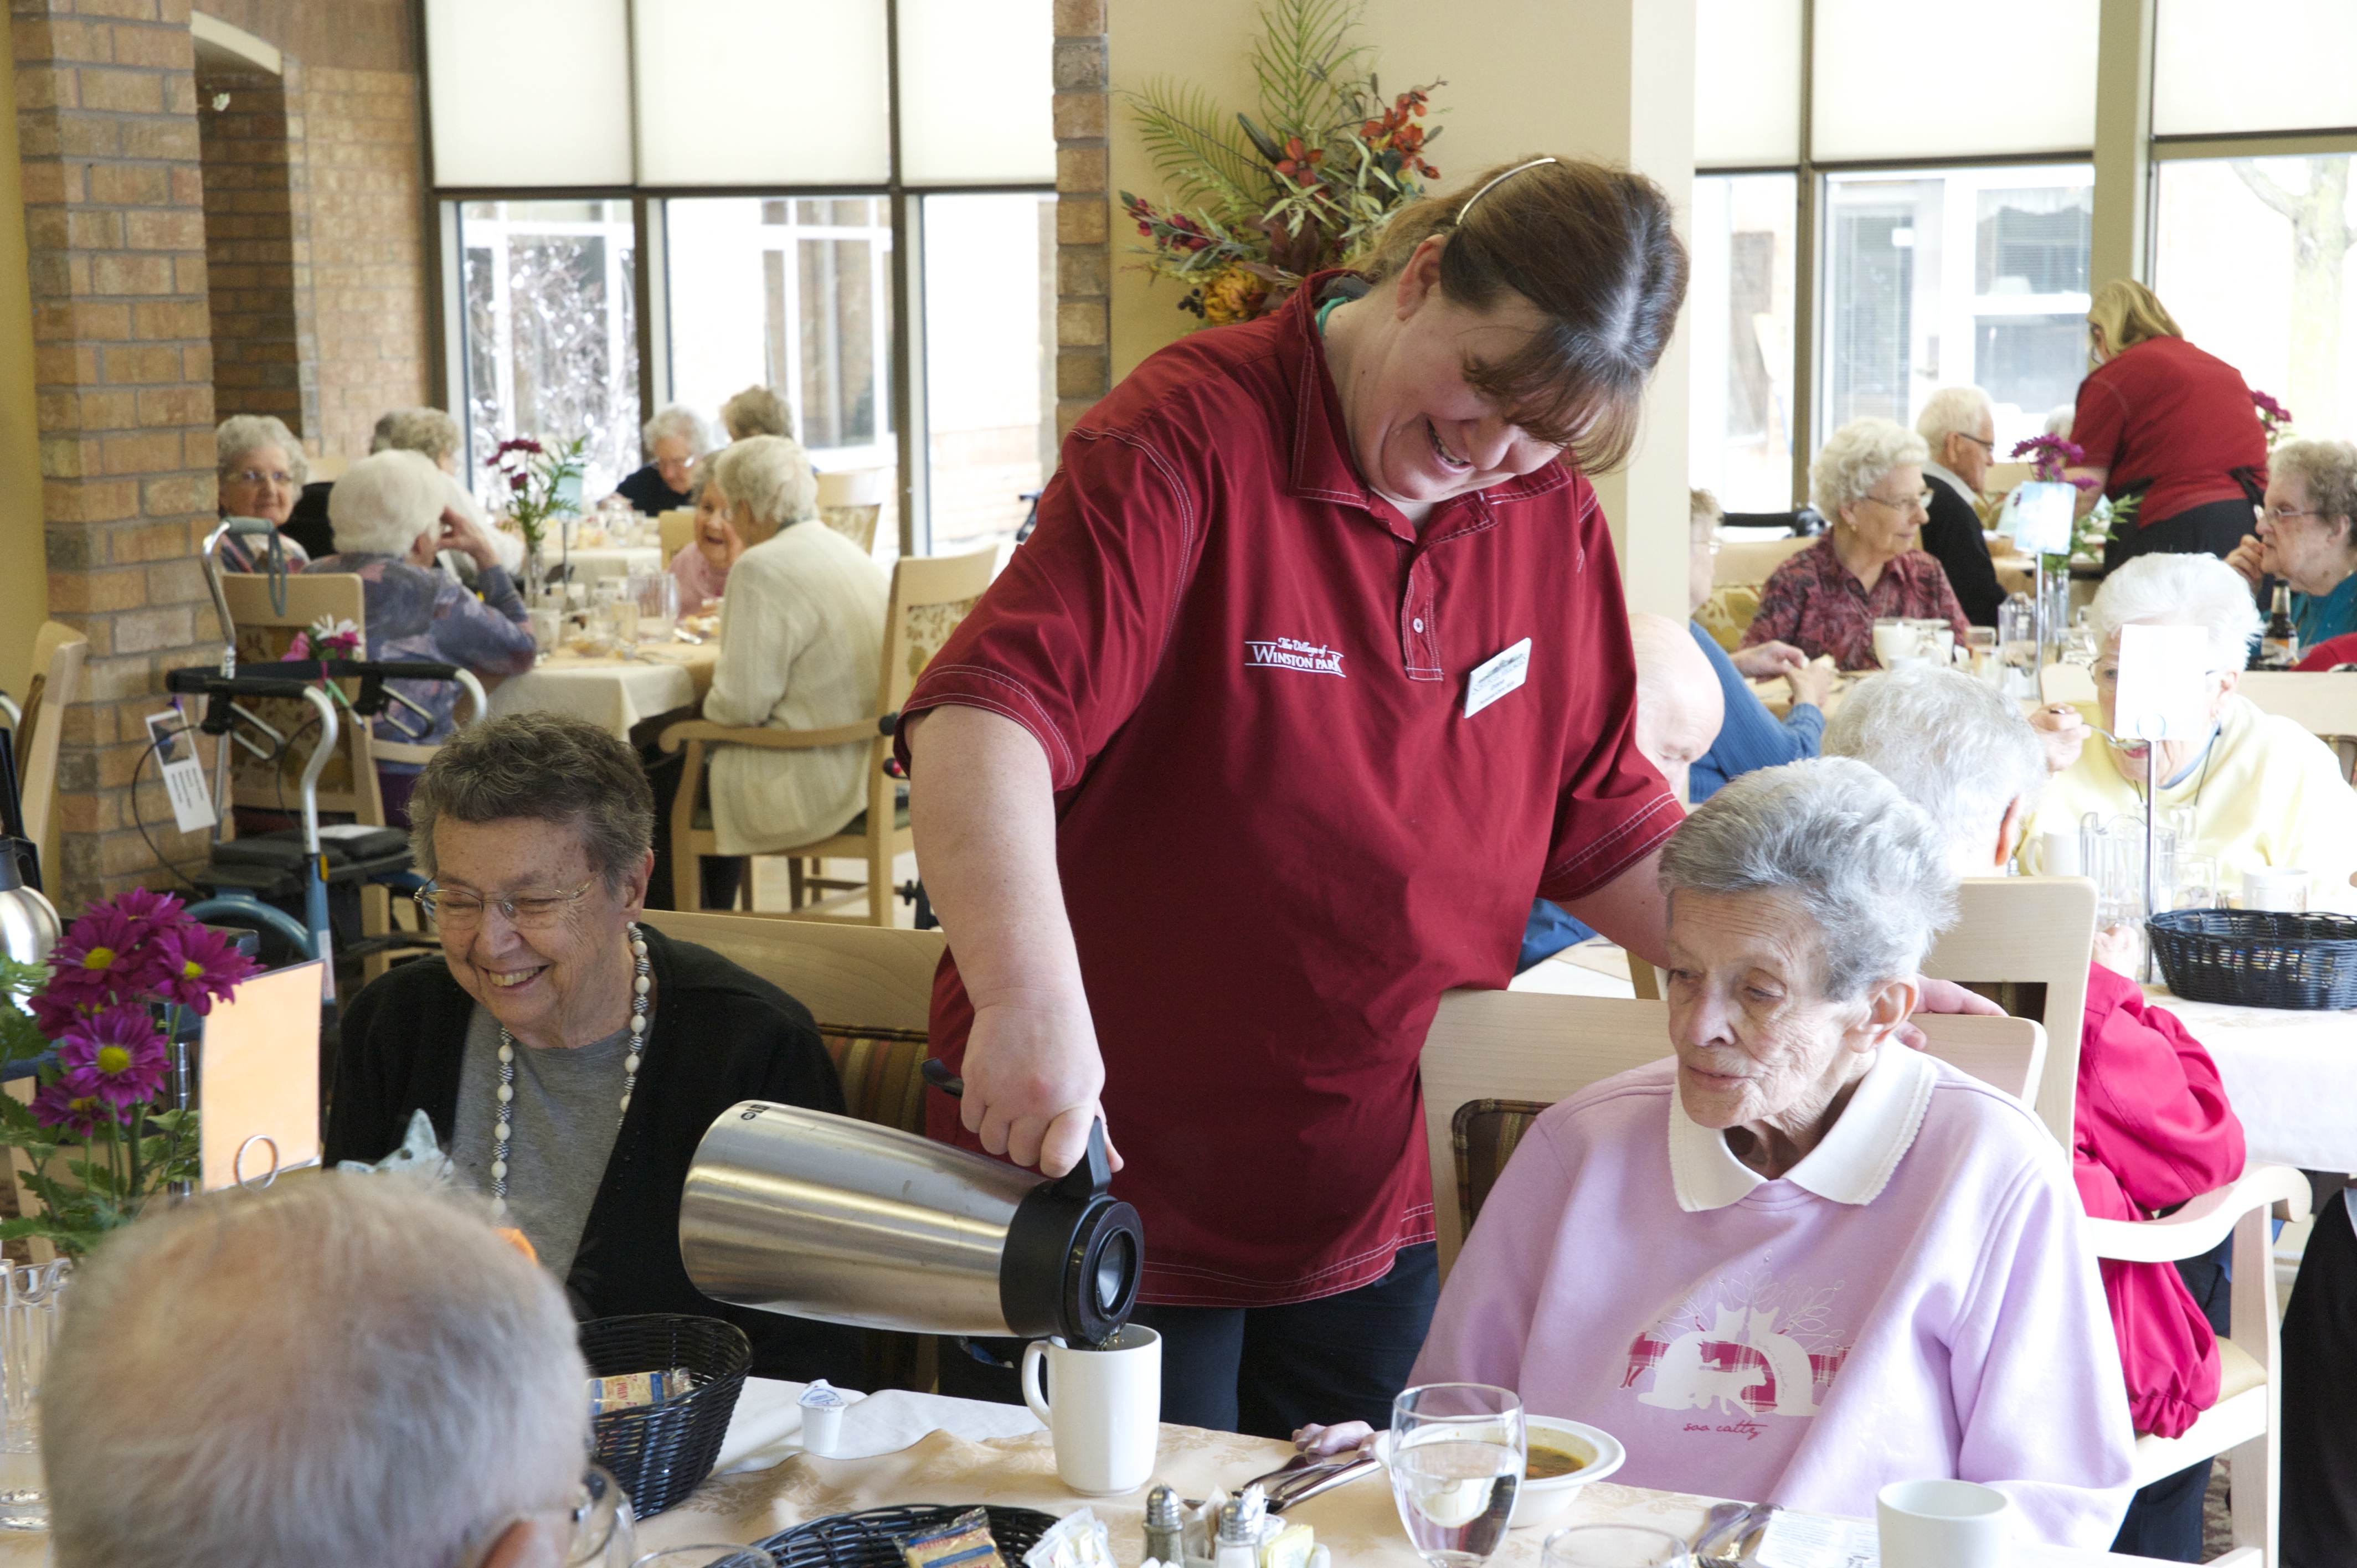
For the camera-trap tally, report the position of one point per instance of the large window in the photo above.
(2252, 256)
(990, 360)
(1943, 278)
(551, 336)
(1742, 381)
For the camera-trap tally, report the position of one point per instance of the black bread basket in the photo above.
(2258, 958)
(661, 1453)
(872, 1539)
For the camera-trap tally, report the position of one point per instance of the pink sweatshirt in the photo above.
(1913, 1300)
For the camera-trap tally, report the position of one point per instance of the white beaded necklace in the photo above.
(503, 1123)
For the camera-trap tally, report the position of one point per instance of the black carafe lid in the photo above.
(1074, 1256)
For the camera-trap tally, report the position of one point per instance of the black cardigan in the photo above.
(1952, 536)
(720, 1035)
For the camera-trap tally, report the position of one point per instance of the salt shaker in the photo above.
(1240, 1522)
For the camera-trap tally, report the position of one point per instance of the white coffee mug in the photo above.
(1943, 1524)
(1107, 1415)
(2058, 854)
(2274, 887)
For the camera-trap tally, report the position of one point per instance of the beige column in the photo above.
(2123, 142)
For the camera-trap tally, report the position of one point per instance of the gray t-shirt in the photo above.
(568, 1105)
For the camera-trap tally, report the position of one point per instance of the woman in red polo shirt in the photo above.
(1315, 671)
(2160, 420)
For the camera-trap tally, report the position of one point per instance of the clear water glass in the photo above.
(30, 1298)
(1613, 1546)
(1457, 1456)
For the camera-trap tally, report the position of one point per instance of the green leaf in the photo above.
(1195, 156)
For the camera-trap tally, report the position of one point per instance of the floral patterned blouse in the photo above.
(420, 613)
(1813, 602)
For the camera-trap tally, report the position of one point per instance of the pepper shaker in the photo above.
(1165, 1531)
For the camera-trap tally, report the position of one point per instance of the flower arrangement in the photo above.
(2049, 457)
(1258, 207)
(326, 637)
(98, 1019)
(2275, 419)
(536, 476)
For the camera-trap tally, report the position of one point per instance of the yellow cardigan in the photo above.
(2272, 796)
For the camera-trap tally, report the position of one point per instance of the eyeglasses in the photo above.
(262, 476)
(1989, 446)
(2285, 514)
(459, 911)
(2109, 674)
(1920, 502)
(601, 1535)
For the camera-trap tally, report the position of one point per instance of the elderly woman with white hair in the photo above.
(2307, 536)
(800, 648)
(2263, 793)
(1798, 1260)
(391, 515)
(1868, 480)
(757, 411)
(260, 468)
(2152, 1127)
(1959, 428)
(675, 437)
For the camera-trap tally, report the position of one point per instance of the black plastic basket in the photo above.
(662, 1452)
(2258, 958)
(872, 1539)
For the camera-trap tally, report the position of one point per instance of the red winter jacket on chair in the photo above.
(2152, 1130)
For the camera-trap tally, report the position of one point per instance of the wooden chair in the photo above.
(930, 595)
(852, 501)
(58, 654)
(1752, 562)
(871, 993)
(2023, 930)
(2244, 1425)
(2323, 704)
(1494, 1059)
(676, 527)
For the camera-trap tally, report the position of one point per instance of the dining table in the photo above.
(615, 692)
(593, 563)
(897, 1447)
(2287, 1073)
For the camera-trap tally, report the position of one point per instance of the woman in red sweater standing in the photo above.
(2162, 421)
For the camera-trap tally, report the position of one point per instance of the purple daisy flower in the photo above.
(118, 1056)
(72, 1106)
(195, 965)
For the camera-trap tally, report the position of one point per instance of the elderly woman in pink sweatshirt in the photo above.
(1799, 1262)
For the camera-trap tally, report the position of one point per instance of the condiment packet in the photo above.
(1079, 1540)
(633, 1391)
(963, 1542)
(1814, 1541)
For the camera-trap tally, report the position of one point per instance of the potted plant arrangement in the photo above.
(1258, 205)
(537, 475)
(103, 1133)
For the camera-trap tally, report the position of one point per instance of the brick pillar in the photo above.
(258, 247)
(106, 127)
(368, 248)
(1083, 213)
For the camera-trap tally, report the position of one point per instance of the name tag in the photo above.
(1498, 677)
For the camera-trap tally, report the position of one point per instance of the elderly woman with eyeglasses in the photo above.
(1798, 1260)
(2263, 793)
(558, 1088)
(260, 470)
(1868, 480)
(2307, 535)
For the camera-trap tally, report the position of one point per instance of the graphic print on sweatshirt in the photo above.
(1744, 1346)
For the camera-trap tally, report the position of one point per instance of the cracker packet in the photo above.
(633, 1390)
(963, 1542)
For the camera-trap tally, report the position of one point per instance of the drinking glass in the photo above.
(1935, 640)
(1613, 1546)
(2017, 633)
(657, 594)
(28, 1327)
(1457, 1455)
(603, 1535)
(2195, 885)
(1895, 639)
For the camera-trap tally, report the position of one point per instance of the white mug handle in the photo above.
(1033, 1354)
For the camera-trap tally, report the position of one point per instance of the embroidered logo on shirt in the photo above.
(1764, 1350)
(1292, 653)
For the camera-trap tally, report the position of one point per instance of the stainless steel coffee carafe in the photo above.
(798, 1211)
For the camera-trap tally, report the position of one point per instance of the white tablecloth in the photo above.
(2288, 1076)
(592, 562)
(613, 696)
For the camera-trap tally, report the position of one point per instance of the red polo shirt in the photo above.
(2167, 414)
(1281, 837)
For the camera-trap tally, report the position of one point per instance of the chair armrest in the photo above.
(2202, 1223)
(686, 730)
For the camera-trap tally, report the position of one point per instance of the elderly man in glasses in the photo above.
(1960, 427)
(346, 1369)
(569, 1057)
